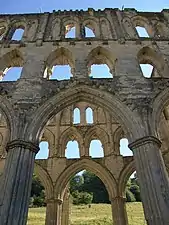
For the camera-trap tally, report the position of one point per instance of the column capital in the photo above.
(144, 140)
(54, 200)
(22, 144)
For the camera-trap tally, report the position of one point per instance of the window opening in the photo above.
(89, 115)
(100, 71)
(96, 149)
(17, 36)
(44, 150)
(142, 32)
(76, 116)
(72, 150)
(124, 150)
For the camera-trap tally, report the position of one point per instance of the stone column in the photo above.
(16, 182)
(119, 212)
(53, 211)
(66, 208)
(153, 179)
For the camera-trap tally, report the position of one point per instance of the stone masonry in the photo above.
(36, 108)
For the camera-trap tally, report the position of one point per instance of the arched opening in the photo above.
(18, 34)
(89, 115)
(44, 150)
(89, 32)
(70, 31)
(100, 71)
(37, 203)
(124, 150)
(147, 70)
(76, 116)
(101, 63)
(151, 63)
(96, 149)
(133, 201)
(59, 72)
(11, 65)
(59, 65)
(2, 32)
(11, 74)
(72, 150)
(89, 197)
(142, 32)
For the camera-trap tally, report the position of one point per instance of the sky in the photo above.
(34, 6)
(20, 6)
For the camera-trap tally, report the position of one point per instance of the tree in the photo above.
(82, 198)
(129, 196)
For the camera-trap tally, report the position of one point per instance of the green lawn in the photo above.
(98, 214)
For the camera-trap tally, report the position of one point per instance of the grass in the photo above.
(98, 214)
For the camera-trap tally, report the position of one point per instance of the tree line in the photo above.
(85, 188)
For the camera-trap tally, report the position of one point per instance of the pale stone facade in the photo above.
(35, 108)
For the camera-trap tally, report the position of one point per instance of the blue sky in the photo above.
(20, 6)
(33, 6)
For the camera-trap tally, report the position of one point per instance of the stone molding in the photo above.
(118, 198)
(144, 140)
(54, 200)
(22, 144)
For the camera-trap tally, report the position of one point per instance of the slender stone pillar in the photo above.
(119, 212)
(66, 208)
(53, 211)
(153, 179)
(16, 182)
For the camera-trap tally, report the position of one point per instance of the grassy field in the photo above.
(98, 214)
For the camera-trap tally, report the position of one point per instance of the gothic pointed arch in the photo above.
(100, 55)
(99, 134)
(130, 122)
(124, 176)
(147, 55)
(69, 134)
(99, 170)
(45, 179)
(60, 56)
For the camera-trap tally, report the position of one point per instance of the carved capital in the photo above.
(22, 144)
(144, 140)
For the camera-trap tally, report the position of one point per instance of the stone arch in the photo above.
(147, 55)
(3, 28)
(73, 23)
(45, 179)
(49, 136)
(130, 32)
(69, 134)
(158, 105)
(92, 24)
(106, 177)
(100, 134)
(11, 59)
(124, 176)
(100, 55)
(19, 24)
(130, 122)
(117, 136)
(162, 29)
(143, 22)
(106, 28)
(60, 56)
(8, 112)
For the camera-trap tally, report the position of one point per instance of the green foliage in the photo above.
(136, 192)
(129, 196)
(82, 198)
(37, 198)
